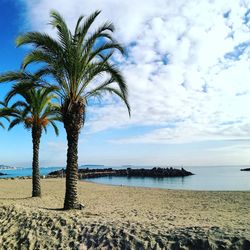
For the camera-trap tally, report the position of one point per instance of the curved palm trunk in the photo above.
(36, 186)
(73, 121)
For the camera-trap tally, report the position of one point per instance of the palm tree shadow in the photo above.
(52, 209)
(15, 198)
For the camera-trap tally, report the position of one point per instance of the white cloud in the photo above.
(198, 91)
(185, 132)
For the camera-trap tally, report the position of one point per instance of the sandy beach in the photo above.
(122, 218)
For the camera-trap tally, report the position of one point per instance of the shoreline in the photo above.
(127, 186)
(114, 185)
(214, 179)
(122, 217)
(157, 188)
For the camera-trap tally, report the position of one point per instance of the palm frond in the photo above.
(1, 125)
(45, 129)
(62, 30)
(119, 94)
(13, 76)
(77, 28)
(98, 88)
(83, 30)
(14, 123)
(9, 112)
(102, 49)
(55, 127)
(37, 56)
(18, 104)
(20, 88)
(39, 40)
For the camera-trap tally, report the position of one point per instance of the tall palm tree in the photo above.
(81, 65)
(35, 111)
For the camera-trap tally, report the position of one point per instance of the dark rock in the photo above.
(63, 222)
(245, 169)
(2, 174)
(154, 172)
(58, 173)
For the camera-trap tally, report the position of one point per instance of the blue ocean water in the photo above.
(221, 178)
(216, 178)
(19, 172)
(26, 171)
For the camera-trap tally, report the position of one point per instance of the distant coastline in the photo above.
(92, 165)
(4, 167)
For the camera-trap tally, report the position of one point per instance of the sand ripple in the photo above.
(25, 229)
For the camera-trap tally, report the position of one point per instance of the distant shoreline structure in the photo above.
(4, 167)
(91, 165)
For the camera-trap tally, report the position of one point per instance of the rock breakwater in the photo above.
(129, 172)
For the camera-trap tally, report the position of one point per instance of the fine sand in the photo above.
(122, 218)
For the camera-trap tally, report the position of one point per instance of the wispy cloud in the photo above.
(184, 132)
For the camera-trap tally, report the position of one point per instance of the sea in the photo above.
(210, 178)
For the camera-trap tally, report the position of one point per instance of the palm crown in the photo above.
(77, 59)
(36, 109)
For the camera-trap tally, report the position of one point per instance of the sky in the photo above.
(188, 72)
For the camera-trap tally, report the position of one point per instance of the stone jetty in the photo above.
(155, 172)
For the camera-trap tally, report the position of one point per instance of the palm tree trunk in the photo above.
(73, 121)
(36, 186)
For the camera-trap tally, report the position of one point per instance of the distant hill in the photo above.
(91, 165)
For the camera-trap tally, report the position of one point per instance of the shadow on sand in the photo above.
(15, 198)
(52, 209)
(30, 197)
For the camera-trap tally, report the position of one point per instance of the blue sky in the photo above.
(188, 72)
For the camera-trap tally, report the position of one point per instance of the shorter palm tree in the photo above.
(35, 111)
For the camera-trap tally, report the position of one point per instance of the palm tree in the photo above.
(80, 64)
(35, 111)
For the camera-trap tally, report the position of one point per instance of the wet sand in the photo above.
(122, 218)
